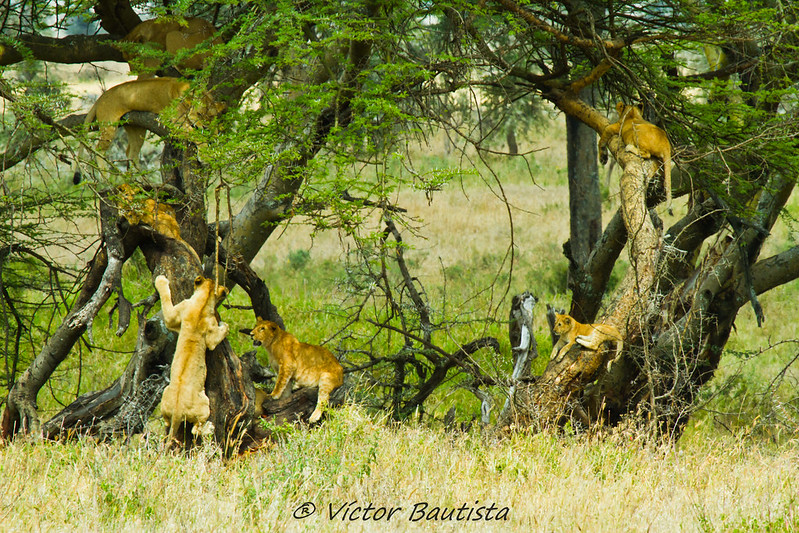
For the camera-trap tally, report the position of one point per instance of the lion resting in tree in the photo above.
(641, 137)
(161, 217)
(307, 365)
(152, 95)
(138, 210)
(170, 35)
(589, 336)
(184, 399)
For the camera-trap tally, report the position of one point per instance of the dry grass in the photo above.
(548, 483)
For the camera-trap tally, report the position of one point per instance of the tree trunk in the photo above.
(523, 346)
(123, 407)
(585, 205)
(510, 137)
(675, 309)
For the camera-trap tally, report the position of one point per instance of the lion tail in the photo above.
(76, 175)
(667, 180)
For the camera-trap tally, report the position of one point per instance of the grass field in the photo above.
(535, 482)
(736, 468)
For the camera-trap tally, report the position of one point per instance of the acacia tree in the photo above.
(249, 58)
(310, 85)
(299, 81)
(678, 301)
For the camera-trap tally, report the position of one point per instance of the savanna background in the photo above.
(479, 228)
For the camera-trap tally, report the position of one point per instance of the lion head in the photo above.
(264, 332)
(563, 324)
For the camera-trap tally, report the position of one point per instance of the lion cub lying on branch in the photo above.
(152, 95)
(589, 336)
(641, 137)
(137, 209)
(184, 399)
(306, 364)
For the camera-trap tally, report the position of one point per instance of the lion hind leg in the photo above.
(326, 386)
(135, 141)
(637, 150)
(202, 427)
(204, 430)
(588, 341)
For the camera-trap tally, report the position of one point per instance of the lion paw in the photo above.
(161, 283)
(203, 430)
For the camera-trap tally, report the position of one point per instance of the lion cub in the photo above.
(184, 399)
(646, 139)
(152, 95)
(589, 336)
(306, 364)
(159, 216)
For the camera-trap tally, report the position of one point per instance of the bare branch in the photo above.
(72, 49)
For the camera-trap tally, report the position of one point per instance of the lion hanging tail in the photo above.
(90, 116)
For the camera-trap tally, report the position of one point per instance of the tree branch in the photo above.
(72, 49)
(534, 22)
(769, 273)
(21, 410)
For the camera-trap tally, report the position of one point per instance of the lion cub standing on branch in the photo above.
(306, 364)
(152, 95)
(589, 336)
(184, 399)
(646, 139)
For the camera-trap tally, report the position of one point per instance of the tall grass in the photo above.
(547, 483)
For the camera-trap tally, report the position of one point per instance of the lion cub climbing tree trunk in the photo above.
(184, 401)
(172, 241)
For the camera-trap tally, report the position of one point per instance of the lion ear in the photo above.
(259, 318)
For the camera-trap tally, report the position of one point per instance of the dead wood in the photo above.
(123, 408)
(21, 413)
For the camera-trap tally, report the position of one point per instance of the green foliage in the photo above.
(298, 259)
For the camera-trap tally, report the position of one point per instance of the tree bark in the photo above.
(73, 49)
(585, 204)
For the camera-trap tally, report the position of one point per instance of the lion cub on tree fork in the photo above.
(646, 139)
(306, 364)
(589, 336)
(152, 95)
(184, 399)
